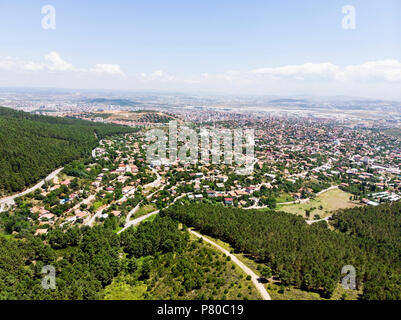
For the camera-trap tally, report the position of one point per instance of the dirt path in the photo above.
(255, 279)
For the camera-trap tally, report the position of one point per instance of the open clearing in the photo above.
(324, 205)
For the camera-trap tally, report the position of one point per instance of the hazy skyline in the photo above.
(249, 47)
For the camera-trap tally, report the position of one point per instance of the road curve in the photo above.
(255, 279)
(137, 221)
(315, 221)
(10, 199)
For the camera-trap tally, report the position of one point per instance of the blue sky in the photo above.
(201, 44)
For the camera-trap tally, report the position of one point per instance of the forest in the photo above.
(86, 260)
(31, 146)
(152, 261)
(311, 257)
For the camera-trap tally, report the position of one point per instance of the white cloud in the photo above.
(381, 70)
(17, 64)
(157, 75)
(108, 69)
(301, 72)
(387, 70)
(53, 63)
(373, 78)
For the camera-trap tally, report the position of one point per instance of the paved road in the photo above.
(255, 279)
(155, 183)
(133, 211)
(138, 221)
(10, 199)
(92, 219)
(314, 221)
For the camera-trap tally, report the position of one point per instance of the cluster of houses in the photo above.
(295, 152)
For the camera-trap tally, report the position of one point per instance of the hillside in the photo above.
(155, 260)
(32, 146)
(311, 257)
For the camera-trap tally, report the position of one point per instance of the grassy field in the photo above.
(119, 290)
(324, 205)
(144, 210)
(285, 197)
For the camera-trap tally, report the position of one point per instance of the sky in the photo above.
(279, 47)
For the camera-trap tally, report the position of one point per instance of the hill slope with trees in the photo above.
(31, 146)
(156, 260)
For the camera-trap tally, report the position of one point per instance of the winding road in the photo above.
(137, 221)
(129, 223)
(255, 278)
(10, 199)
(315, 221)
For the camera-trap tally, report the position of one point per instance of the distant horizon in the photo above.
(106, 92)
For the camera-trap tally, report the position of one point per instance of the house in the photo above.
(71, 219)
(370, 203)
(222, 178)
(127, 189)
(228, 201)
(81, 214)
(64, 201)
(211, 193)
(43, 211)
(240, 193)
(116, 213)
(297, 195)
(66, 182)
(96, 184)
(249, 190)
(155, 163)
(39, 232)
(242, 203)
